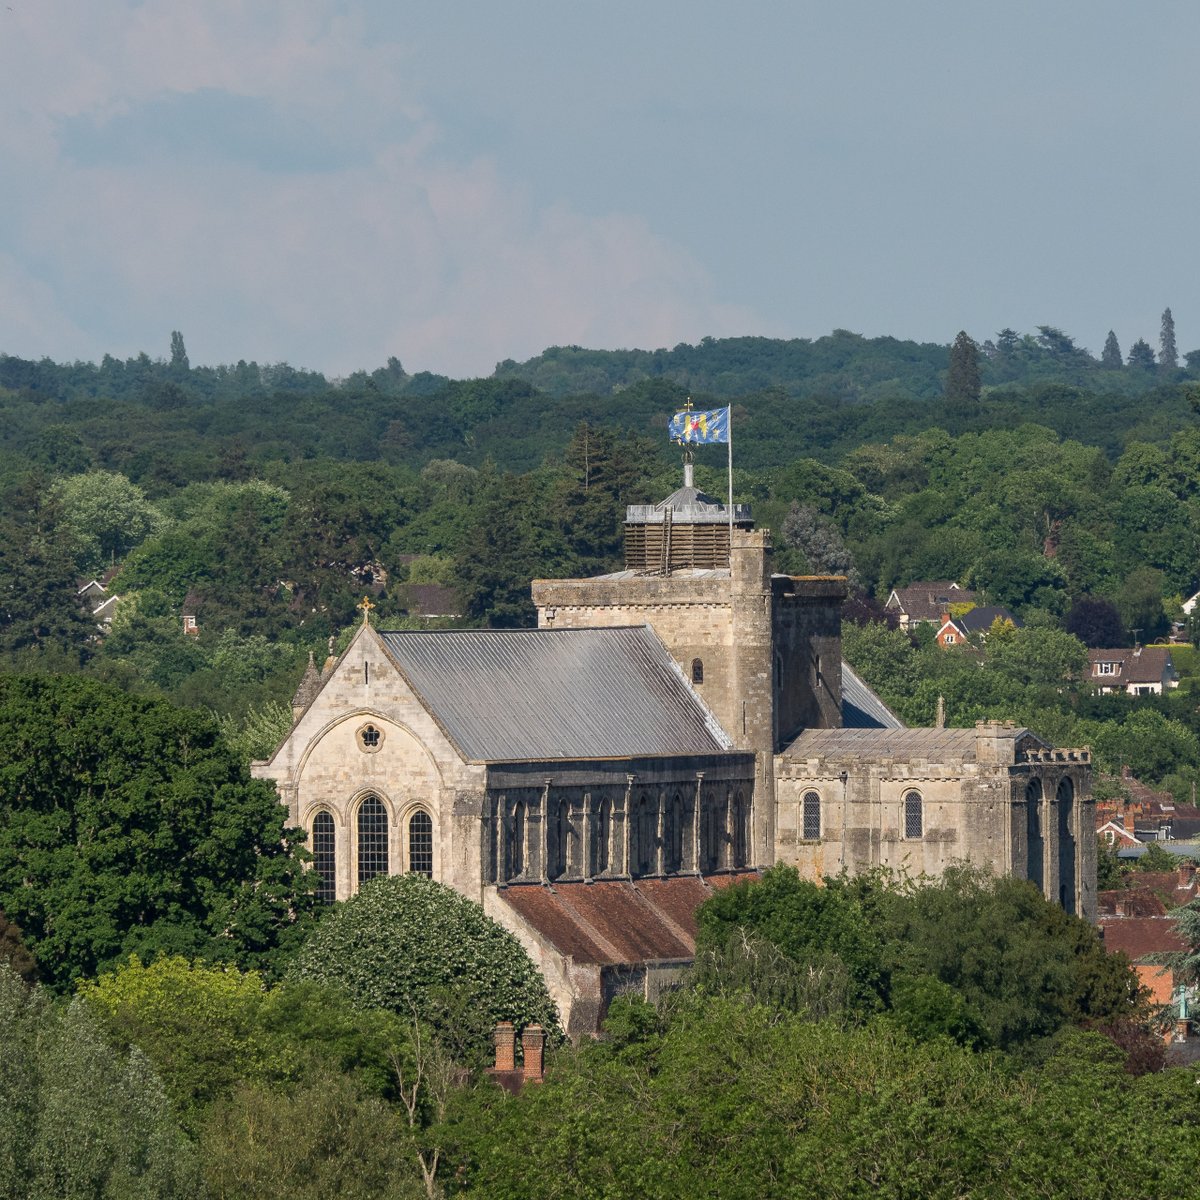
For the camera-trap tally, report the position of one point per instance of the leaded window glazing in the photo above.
(420, 844)
(812, 816)
(372, 839)
(324, 847)
(914, 816)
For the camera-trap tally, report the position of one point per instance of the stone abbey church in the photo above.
(664, 730)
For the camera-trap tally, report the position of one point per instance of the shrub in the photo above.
(418, 948)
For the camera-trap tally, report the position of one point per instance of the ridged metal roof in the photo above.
(514, 695)
(861, 707)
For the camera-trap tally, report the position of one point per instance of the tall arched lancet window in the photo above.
(372, 839)
(324, 849)
(697, 670)
(914, 815)
(741, 830)
(516, 842)
(647, 835)
(601, 844)
(1035, 870)
(561, 850)
(712, 834)
(420, 844)
(811, 830)
(1065, 799)
(673, 850)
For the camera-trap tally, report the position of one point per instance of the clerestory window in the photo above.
(811, 816)
(914, 815)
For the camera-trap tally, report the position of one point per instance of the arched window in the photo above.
(647, 835)
(812, 816)
(324, 847)
(1033, 810)
(741, 830)
(673, 850)
(1065, 797)
(713, 834)
(601, 843)
(697, 670)
(420, 844)
(914, 815)
(372, 839)
(516, 842)
(561, 851)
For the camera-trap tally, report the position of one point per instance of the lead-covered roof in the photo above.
(510, 695)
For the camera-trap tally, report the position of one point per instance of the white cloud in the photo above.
(446, 263)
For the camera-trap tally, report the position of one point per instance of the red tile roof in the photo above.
(1136, 902)
(612, 922)
(1140, 936)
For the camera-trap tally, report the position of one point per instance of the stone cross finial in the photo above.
(366, 607)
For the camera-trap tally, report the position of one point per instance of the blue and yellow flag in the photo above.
(694, 428)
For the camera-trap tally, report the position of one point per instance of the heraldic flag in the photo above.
(694, 428)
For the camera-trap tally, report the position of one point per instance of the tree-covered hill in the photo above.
(164, 423)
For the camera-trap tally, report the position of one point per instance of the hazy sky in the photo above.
(333, 183)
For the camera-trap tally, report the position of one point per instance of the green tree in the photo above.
(417, 948)
(1140, 603)
(76, 1118)
(42, 622)
(105, 516)
(606, 471)
(1024, 967)
(1168, 354)
(1038, 657)
(1096, 623)
(820, 927)
(1151, 744)
(964, 381)
(14, 952)
(819, 541)
(127, 825)
(1110, 356)
(209, 1029)
(326, 1136)
(1141, 355)
(179, 358)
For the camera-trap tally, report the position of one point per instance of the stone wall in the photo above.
(366, 735)
(972, 809)
(619, 819)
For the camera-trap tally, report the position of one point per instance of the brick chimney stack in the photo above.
(533, 1046)
(506, 1046)
(1187, 871)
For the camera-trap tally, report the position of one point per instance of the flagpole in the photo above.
(731, 487)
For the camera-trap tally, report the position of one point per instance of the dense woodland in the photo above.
(176, 1001)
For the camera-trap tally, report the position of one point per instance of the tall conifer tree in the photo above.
(1168, 354)
(1110, 356)
(963, 380)
(1140, 355)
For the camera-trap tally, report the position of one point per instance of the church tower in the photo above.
(762, 650)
